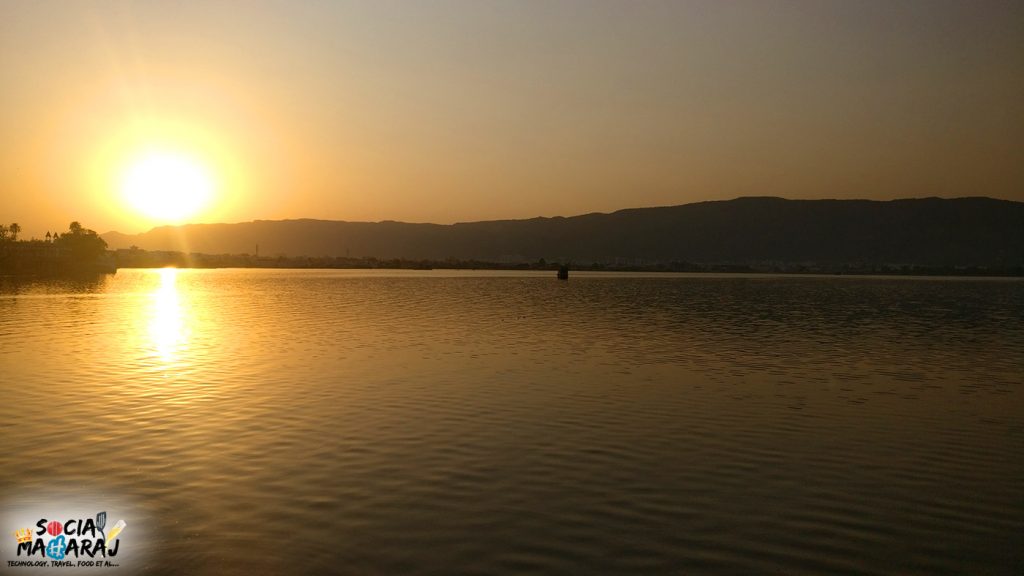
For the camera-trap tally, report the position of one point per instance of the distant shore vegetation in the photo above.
(135, 257)
(78, 250)
(81, 250)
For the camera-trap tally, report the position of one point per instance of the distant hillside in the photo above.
(928, 232)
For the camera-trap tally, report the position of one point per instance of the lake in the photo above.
(388, 422)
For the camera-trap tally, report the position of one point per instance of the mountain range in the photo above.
(974, 231)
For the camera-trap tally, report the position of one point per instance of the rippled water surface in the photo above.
(313, 422)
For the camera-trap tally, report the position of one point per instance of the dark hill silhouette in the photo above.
(927, 232)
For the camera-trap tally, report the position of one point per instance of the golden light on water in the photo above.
(167, 323)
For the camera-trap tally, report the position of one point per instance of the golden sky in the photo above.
(454, 111)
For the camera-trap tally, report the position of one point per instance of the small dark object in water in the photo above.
(563, 272)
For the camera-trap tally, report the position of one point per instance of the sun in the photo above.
(166, 186)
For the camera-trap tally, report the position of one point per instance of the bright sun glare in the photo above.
(166, 186)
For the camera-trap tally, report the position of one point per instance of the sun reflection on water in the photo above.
(167, 323)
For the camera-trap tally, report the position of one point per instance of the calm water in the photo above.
(247, 422)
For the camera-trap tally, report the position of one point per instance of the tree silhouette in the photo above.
(15, 228)
(82, 244)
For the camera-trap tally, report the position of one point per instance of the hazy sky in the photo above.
(454, 111)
